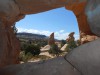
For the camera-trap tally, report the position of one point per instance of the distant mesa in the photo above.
(31, 36)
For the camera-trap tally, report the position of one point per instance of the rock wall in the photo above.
(84, 28)
(9, 45)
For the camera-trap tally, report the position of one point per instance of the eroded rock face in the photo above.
(93, 15)
(12, 11)
(79, 11)
(51, 39)
(88, 38)
(37, 6)
(9, 45)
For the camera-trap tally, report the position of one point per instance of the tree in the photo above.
(54, 50)
(33, 49)
(71, 45)
(63, 42)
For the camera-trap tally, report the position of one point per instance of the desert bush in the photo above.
(25, 57)
(33, 49)
(54, 50)
(71, 45)
(63, 42)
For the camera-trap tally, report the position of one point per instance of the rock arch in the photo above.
(86, 34)
(12, 11)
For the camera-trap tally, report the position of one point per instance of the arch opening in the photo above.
(60, 21)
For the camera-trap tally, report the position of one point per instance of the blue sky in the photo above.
(60, 21)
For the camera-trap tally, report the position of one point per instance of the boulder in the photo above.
(45, 48)
(64, 47)
(57, 66)
(86, 57)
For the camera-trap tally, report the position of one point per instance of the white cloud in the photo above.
(61, 31)
(58, 35)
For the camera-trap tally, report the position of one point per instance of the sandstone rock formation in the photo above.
(12, 11)
(87, 38)
(9, 45)
(64, 47)
(70, 37)
(45, 48)
(51, 39)
(84, 60)
(79, 11)
(71, 42)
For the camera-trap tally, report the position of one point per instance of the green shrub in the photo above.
(63, 42)
(23, 46)
(71, 45)
(24, 57)
(54, 49)
(33, 49)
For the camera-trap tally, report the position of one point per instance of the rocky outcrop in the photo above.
(45, 48)
(79, 11)
(88, 38)
(64, 47)
(12, 11)
(37, 6)
(9, 45)
(70, 38)
(51, 39)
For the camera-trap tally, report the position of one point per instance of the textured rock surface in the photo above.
(8, 9)
(86, 58)
(51, 39)
(79, 11)
(27, 6)
(9, 45)
(93, 15)
(58, 66)
(88, 38)
(14, 10)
